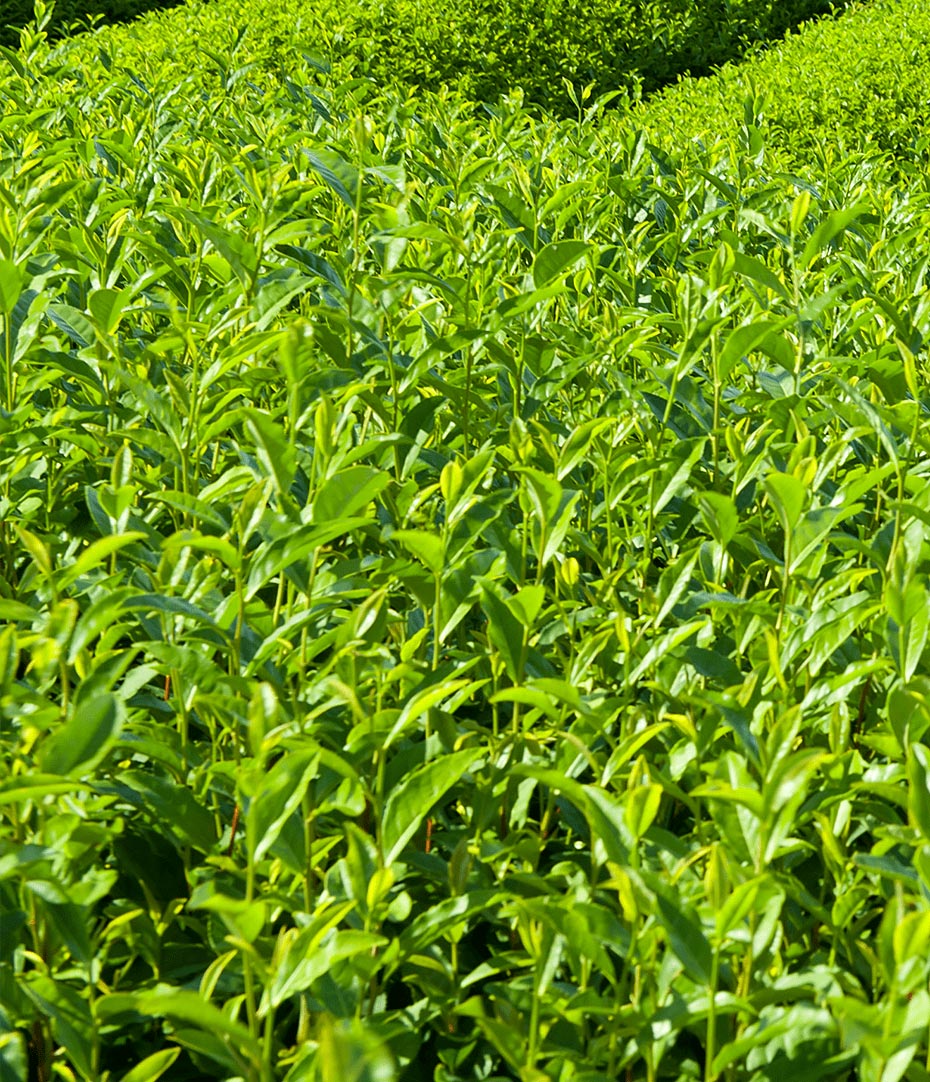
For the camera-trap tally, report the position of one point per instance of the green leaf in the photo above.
(73, 322)
(70, 923)
(107, 306)
(908, 710)
(788, 495)
(34, 787)
(753, 268)
(348, 491)
(544, 492)
(291, 972)
(740, 343)
(344, 179)
(908, 624)
(152, 1067)
(269, 559)
(446, 915)
(280, 794)
(603, 811)
(425, 547)
(918, 794)
(311, 957)
(686, 937)
(274, 451)
(200, 510)
(173, 806)
(799, 1022)
(95, 554)
(834, 224)
(216, 546)
(350, 1051)
(410, 803)
(505, 628)
(673, 582)
(737, 906)
(720, 516)
(167, 1002)
(578, 444)
(14, 1061)
(664, 645)
(555, 259)
(239, 253)
(16, 611)
(12, 281)
(72, 1023)
(83, 741)
(641, 807)
(170, 606)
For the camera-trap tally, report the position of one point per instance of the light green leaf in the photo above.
(918, 792)
(152, 1067)
(107, 307)
(12, 281)
(641, 808)
(788, 495)
(828, 230)
(410, 803)
(555, 259)
(348, 492)
(425, 547)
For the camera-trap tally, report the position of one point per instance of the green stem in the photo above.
(711, 1051)
(8, 362)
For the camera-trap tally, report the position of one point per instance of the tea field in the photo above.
(464, 595)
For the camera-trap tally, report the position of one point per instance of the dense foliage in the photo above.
(485, 48)
(864, 78)
(463, 580)
(72, 14)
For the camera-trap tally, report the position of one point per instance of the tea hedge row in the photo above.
(862, 78)
(465, 591)
(72, 14)
(486, 48)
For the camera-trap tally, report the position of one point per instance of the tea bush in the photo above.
(486, 48)
(491, 47)
(862, 78)
(463, 581)
(15, 14)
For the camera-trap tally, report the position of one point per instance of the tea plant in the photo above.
(71, 15)
(486, 48)
(820, 93)
(464, 588)
(482, 49)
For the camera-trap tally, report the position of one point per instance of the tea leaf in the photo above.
(81, 743)
(411, 802)
(555, 259)
(152, 1067)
